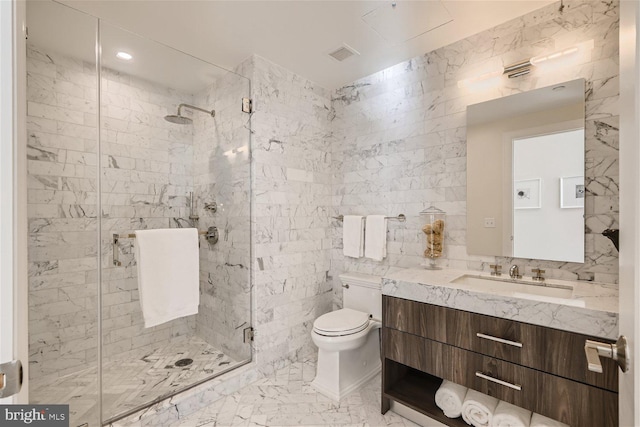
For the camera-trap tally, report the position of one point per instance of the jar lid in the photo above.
(432, 210)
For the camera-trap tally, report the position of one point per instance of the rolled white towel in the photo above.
(449, 398)
(508, 415)
(538, 420)
(478, 408)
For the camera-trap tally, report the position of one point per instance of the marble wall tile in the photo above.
(62, 214)
(400, 143)
(222, 174)
(291, 196)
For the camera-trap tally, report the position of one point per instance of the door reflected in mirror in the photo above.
(525, 175)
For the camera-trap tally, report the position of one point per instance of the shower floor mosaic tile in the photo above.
(287, 399)
(132, 381)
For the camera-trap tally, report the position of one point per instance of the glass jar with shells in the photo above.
(433, 229)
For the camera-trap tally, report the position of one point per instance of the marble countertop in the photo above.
(590, 309)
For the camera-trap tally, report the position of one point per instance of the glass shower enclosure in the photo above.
(127, 134)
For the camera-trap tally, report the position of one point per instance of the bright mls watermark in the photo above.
(34, 415)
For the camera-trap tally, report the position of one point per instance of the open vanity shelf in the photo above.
(416, 390)
(544, 369)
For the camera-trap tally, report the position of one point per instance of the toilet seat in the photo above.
(341, 322)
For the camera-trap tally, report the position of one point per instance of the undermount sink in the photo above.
(561, 294)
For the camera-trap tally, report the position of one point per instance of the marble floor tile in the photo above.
(132, 381)
(287, 399)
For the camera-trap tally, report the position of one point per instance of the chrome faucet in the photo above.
(538, 277)
(514, 272)
(496, 269)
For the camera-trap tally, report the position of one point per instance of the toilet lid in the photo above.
(341, 322)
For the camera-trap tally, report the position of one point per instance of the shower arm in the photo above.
(212, 113)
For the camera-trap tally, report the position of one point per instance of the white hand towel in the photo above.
(449, 398)
(168, 273)
(538, 420)
(477, 408)
(353, 236)
(508, 415)
(375, 239)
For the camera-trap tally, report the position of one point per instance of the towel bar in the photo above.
(211, 234)
(400, 217)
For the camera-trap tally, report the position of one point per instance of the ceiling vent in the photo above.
(343, 52)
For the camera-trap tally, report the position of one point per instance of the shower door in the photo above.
(174, 154)
(105, 159)
(62, 148)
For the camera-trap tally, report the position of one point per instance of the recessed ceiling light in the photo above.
(124, 55)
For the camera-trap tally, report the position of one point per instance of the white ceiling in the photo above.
(298, 35)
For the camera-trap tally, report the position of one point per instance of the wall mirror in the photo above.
(525, 174)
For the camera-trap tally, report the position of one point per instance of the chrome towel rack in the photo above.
(211, 234)
(401, 218)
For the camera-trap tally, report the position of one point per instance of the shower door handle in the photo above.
(10, 378)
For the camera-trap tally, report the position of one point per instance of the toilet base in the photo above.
(342, 372)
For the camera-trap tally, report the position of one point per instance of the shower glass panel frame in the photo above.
(104, 161)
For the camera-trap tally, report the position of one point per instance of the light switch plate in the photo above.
(489, 223)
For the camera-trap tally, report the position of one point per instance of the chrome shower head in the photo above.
(179, 119)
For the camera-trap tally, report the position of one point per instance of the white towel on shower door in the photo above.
(375, 237)
(168, 273)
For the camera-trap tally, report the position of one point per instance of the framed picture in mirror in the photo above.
(572, 192)
(526, 194)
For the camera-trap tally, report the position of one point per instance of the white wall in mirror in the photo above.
(542, 228)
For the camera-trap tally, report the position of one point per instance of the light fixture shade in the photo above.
(564, 53)
(475, 80)
(124, 55)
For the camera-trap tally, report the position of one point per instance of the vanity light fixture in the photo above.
(124, 56)
(536, 60)
(524, 67)
(481, 78)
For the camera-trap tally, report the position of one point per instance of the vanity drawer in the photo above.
(409, 349)
(559, 398)
(546, 349)
(568, 401)
(425, 320)
(549, 350)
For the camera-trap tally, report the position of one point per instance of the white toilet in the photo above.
(348, 339)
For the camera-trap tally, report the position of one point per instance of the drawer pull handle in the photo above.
(502, 340)
(497, 381)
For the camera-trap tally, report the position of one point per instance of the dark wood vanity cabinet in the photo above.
(423, 344)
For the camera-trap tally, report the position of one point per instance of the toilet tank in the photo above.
(362, 292)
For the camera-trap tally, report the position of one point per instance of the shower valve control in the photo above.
(212, 235)
(211, 207)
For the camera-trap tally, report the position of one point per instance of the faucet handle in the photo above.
(496, 269)
(539, 272)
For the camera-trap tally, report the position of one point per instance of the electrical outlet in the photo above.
(489, 223)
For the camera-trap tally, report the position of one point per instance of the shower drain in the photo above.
(184, 362)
